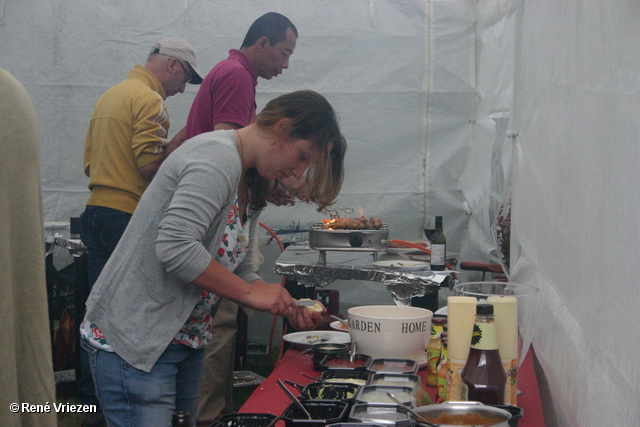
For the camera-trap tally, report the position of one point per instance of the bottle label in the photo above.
(454, 379)
(483, 338)
(434, 348)
(437, 254)
(511, 368)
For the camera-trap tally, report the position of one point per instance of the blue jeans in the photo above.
(101, 230)
(131, 397)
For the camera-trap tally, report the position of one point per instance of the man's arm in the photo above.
(149, 171)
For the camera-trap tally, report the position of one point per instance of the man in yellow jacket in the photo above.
(126, 143)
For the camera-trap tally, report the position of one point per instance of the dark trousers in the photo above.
(101, 230)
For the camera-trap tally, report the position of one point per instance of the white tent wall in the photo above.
(426, 91)
(576, 201)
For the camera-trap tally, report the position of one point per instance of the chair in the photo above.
(485, 267)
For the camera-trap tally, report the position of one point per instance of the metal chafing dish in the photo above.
(361, 240)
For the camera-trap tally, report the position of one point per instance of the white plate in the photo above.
(304, 338)
(403, 265)
(423, 361)
(340, 326)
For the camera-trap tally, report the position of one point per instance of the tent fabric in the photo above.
(575, 202)
(446, 105)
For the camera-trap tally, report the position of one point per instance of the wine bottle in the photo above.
(483, 376)
(438, 247)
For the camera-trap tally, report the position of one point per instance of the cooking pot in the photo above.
(430, 412)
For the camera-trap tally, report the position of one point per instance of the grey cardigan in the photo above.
(144, 296)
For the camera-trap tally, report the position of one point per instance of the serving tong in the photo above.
(294, 399)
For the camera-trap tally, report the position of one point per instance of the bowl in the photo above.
(394, 379)
(322, 412)
(322, 349)
(381, 414)
(378, 394)
(397, 366)
(246, 420)
(388, 331)
(329, 391)
(342, 361)
(341, 376)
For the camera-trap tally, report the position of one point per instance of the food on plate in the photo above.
(361, 223)
(312, 308)
(341, 326)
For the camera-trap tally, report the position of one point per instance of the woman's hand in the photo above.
(270, 297)
(302, 319)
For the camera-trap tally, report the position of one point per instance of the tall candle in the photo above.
(505, 309)
(461, 312)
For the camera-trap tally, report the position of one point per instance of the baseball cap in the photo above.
(178, 48)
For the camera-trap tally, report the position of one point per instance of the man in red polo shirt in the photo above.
(227, 100)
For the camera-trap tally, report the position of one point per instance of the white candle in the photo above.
(461, 315)
(505, 310)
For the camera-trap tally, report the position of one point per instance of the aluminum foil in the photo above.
(304, 263)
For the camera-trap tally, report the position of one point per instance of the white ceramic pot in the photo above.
(389, 331)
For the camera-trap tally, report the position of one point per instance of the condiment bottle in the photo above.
(483, 377)
(443, 367)
(434, 348)
(461, 315)
(180, 418)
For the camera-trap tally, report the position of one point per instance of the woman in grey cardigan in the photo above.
(149, 314)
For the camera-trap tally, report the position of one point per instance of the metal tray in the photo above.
(246, 378)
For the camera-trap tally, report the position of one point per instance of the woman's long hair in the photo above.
(310, 117)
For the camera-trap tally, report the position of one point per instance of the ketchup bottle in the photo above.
(483, 376)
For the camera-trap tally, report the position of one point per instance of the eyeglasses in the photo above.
(186, 73)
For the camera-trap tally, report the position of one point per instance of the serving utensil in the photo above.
(296, 385)
(294, 399)
(305, 303)
(339, 319)
(323, 338)
(313, 378)
(415, 414)
(352, 351)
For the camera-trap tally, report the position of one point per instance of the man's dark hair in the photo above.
(271, 25)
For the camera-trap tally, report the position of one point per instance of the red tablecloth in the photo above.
(268, 398)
